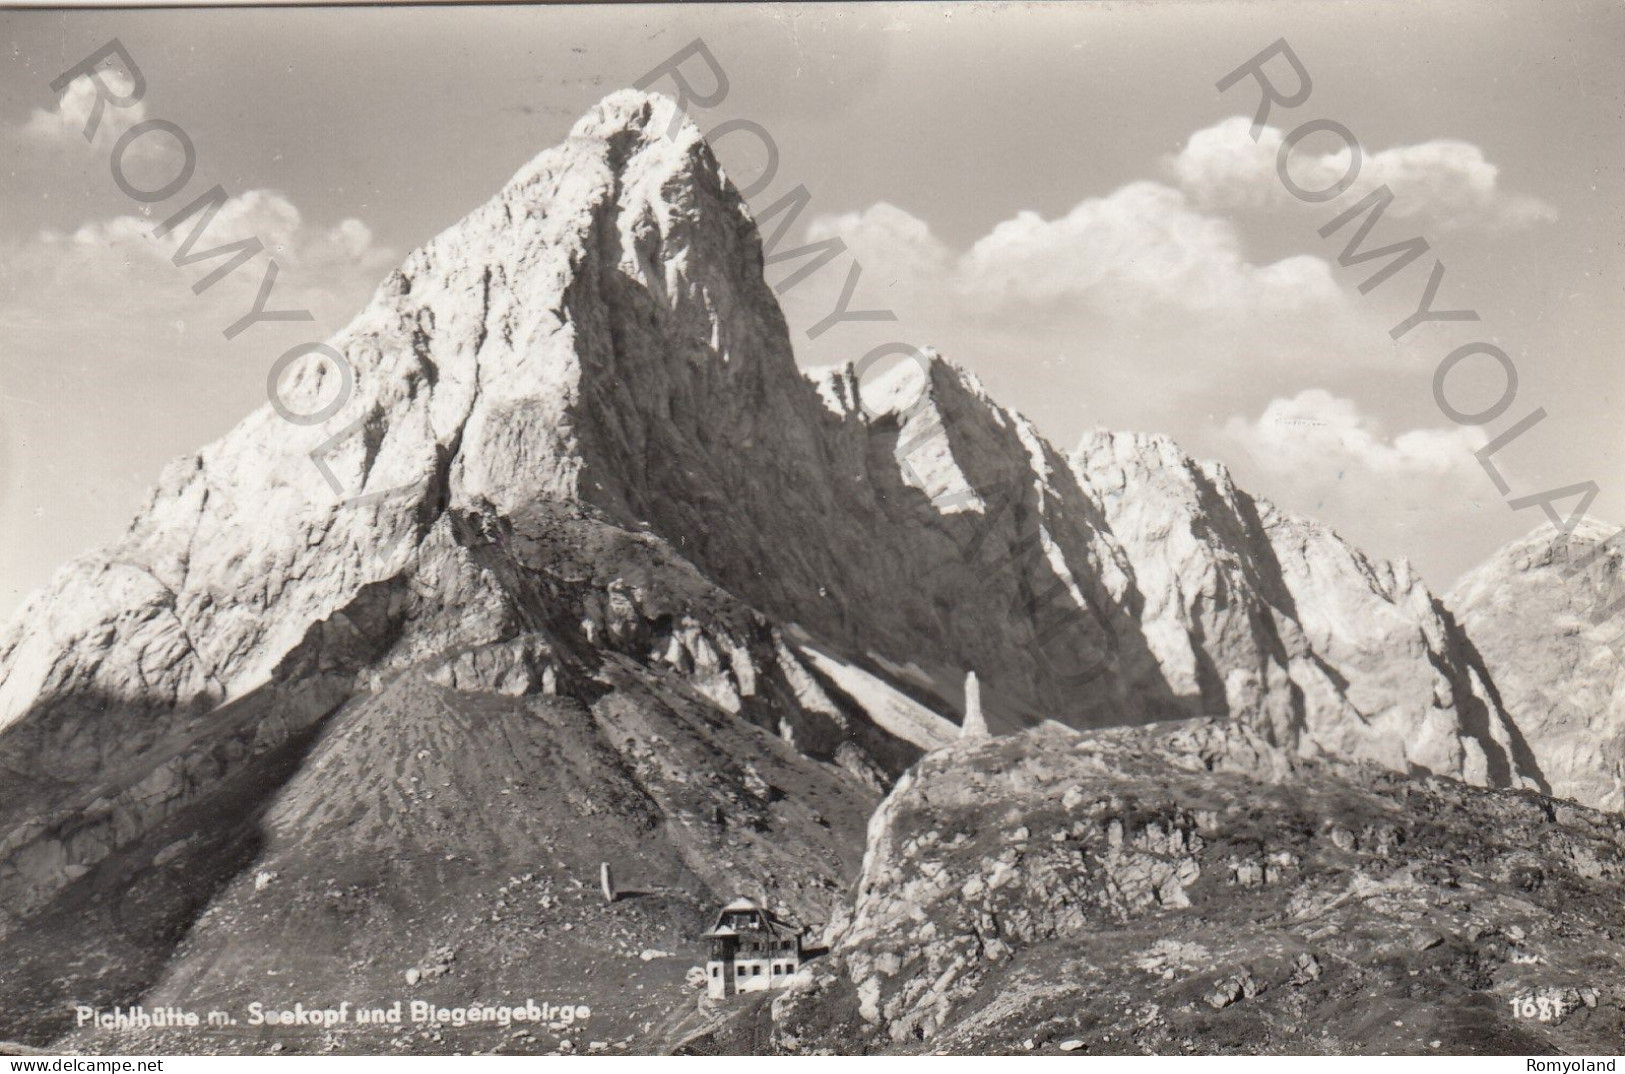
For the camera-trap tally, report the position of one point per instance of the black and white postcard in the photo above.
(982, 529)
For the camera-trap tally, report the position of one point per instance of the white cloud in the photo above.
(120, 268)
(1446, 182)
(263, 214)
(64, 126)
(1155, 274)
(1137, 250)
(1143, 246)
(895, 244)
(64, 296)
(1320, 455)
(1155, 277)
(1140, 278)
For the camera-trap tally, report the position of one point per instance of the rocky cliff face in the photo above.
(1190, 888)
(1543, 614)
(1236, 608)
(590, 474)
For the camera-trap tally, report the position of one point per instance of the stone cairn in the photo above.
(975, 725)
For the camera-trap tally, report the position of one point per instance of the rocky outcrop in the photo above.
(1543, 614)
(558, 595)
(1190, 887)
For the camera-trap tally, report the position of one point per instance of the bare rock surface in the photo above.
(1190, 888)
(1544, 614)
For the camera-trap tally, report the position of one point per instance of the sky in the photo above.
(1057, 197)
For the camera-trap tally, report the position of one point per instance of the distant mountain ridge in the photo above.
(1542, 612)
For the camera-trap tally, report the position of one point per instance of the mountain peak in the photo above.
(622, 127)
(905, 385)
(650, 116)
